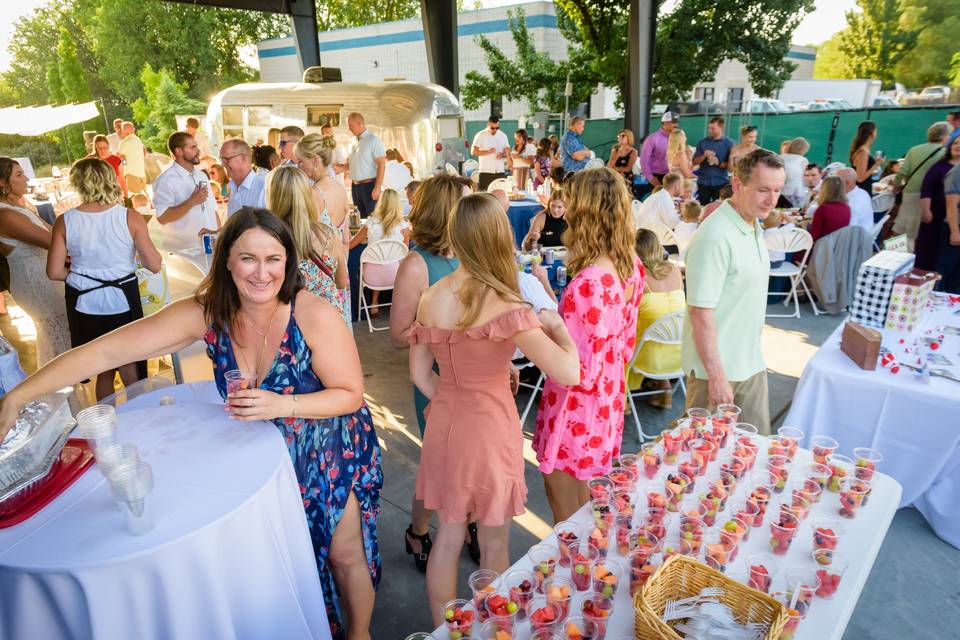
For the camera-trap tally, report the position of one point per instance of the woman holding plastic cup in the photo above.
(253, 314)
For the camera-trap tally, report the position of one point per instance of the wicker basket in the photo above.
(682, 577)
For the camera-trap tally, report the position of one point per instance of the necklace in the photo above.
(262, 334)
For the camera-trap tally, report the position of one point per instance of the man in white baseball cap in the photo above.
(653, 155)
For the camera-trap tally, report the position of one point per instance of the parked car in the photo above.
(884, 101)
(765, 105)
(934, 94)
(828, 104)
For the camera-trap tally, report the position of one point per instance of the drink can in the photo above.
(548, 256)
(209, 240)
(561, 276)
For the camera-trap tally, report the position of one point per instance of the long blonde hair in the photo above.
(677, 142)
(599, 221)
(650, 252)
(290, 197)
(483, 241)
(388, 211)
(429, 218)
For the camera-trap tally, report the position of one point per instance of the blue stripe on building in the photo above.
(277, 52)
(801, 55)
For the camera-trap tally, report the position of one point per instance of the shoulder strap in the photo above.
(917, 168)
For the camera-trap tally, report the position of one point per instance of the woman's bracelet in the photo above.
(293, 413)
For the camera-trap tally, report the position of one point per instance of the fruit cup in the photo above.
(558, 591)
(717, 479)
(830, 573)
(459, 616)
(761, 491)
(578, 628)
(822, 447)
(656, 498)
(624, 479)
(690, 467)
(793, 437)
(645, 542)
(481, 585)
(600, 488)
(807, 488)
(852, 493)
(623, 501)
(688, 431)
(735, 466)
(865, 458)
(544, 558)
(654, 523)
(502, 609)
(782, 531)
(675, 545)
(675, 485)
(797, 505)
(496, 629)
(546, 633)
(721, 428)
(544, 614)
(604, 518)
(624, 527)
(568, 535)
(826, 535)
(793, 616)
(867, 476)
(840, 468)
(732, 533)
(672, 442)
(595, 609)
(606, 577)
(651, 457)
(746, 511)
(730, 411)
(642, 566)
(523, 586)
(710, 505)
(698, 417)
(806, 582)
(747, 447)
(629, 461)
(692, 530)
(779, 466)
(761, 569)
(717, 550)
(582, 558)
(702, 451)
(778, 446)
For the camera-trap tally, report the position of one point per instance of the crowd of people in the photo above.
(276, 302)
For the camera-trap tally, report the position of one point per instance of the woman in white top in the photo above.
(747, 145)
(794, 163)
(521, 157)
(677, 158)
(102, 239)
(25, 239)
(384, 223)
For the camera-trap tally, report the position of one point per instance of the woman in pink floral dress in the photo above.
(579, 428)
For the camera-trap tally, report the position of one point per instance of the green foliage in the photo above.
(340, 14)
(163, 98)
(831, 64)
(936, 23)
(875, 40)
(954, 74)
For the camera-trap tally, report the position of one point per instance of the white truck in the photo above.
(859, 93)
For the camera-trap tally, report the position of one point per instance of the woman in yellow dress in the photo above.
(662, 295)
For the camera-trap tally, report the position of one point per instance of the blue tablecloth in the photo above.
(521, 213)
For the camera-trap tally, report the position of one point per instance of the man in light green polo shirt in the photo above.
(727, 270)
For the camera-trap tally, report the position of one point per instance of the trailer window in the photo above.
(323, 115)
(258, 116)
(450, 127)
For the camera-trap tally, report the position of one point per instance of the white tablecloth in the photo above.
(827, 619)
(230, 556)
(914, 424)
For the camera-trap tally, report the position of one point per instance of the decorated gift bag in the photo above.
(908, 300)
(875, 282)
(154, 289)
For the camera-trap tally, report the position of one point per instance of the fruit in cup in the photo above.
(600, 538)
(580, 571)
(651, 463)
(672, 444)
(459, 622)
(790, 628)
(479, 601)
(559, 595)
(656, 500)
(761, 497)
(566, 539)
(522, 594)
(624, 529)
(829, 583)
(736, 467)
(779, 467)
(640, 571)
(760, 578)
(623, 502)
(501, 606)
(717, 556)
(781, 534)
(600, 488)
(544, 617)
(604, 582)
(837, 473)
(595, 609)
(675, 484)
(851, 498)
(710, 505)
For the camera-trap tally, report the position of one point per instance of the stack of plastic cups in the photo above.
(115, 455)
(98, 424)
(131, 484)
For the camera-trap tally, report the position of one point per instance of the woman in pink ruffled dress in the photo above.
(579, 427)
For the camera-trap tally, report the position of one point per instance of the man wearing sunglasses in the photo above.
(490, 145)
(289, 137)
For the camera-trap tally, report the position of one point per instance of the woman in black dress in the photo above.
(623, 156)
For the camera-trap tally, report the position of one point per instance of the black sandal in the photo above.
(419, 559)
(474, 545)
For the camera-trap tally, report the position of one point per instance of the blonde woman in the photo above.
(623, 155)
(315, 153)
(662, 295)
(102, 238)
(384, 223)
(579, 426)
(677, 157)
(795, 163)
(470, 322)
(322, 259)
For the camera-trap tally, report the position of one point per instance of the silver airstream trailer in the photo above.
(423, 121)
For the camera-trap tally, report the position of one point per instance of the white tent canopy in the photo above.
(34, 121)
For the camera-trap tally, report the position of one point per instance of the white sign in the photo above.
(896, 243)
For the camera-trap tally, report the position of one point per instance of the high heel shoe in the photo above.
(474, 545)
(419, 559)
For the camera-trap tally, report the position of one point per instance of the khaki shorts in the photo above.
(750, 395)
(908, 216)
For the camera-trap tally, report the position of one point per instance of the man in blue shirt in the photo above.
(573, 152)
(712, 154)
(246, 183)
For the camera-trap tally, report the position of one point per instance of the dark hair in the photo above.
(955, 114)
(177, 140)
(864, 130)
(717, 120)
(746, 164)
(293, 130)
(946, 151)
(813, 165)
(558, 175)
(99, 138)
(524, 139)
(193, 122)
(543, 147)
(6, 170)
(726, 191)
(262, 155)
(494, 119)
(750, 128)
(217, 294)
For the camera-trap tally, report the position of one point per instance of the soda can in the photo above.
(209, 240)
(561, 276)
(548, 256)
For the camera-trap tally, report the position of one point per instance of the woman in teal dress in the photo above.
(430, 260)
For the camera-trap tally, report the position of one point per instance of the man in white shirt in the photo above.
(289, 137)
(246, 183)
(117, 135)
(491, 146)
(338, 168)
(193, 128)
(368, 161)
(861, 206)
(132, 151)
(661, 206)
(396, 176)
(181, 195)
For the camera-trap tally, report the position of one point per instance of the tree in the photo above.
(73, 86)
(875, 40)
(831, 64)
(936, 23)
(340, 14)
(163, 99)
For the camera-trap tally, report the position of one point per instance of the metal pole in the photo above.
(103, 110)
(567, 91)
(642, 33)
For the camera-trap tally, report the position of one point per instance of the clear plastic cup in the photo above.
(761, 569)
(131, 484)
(806, 582)
(624, 479)
(522, 585)
(494, 627)
(808, 488)
(793, 436)
(692, 529)
(794, 617)
(698, 417)
(421, 635)
(600, 488)
(675, 485)
(546, 634)
(624, 528)
(114, 455)
(582, 558)
(607, 575)
(568, 535)
(559, 590)
(599, 534)
(655, 522)
(778, 446)
(579, 627)
(796, 504)
(544, 558)
(239, 380)
(657, 497)
(543, 615)
(672, 442)
(674, 545)
(822, 446)
(736, 466)
(596, 609)
(830, 567)
(502, 608)
(717, 550)
(782, 531)
(779, 466)
(459, 617)
(481, 584)
(865, 458)
(98, 424)
(820, 473)
(651, 459)
(747, 446)
(642, 566)
(732, 533)
(852, 493)
(630, 460)
(689, 466)
(840, 467)
(746, 511)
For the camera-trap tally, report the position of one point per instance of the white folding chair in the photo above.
(666, 330)
(470, 166)
(635, 207)
(522, 363)
(499, 183)
(595, 163)
(882, 202)
(452, 170)
(877, 228)
(384, 253)
(791, 241)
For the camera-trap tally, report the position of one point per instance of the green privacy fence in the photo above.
(898, 129)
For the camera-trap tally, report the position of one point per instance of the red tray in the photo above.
(75, 457)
